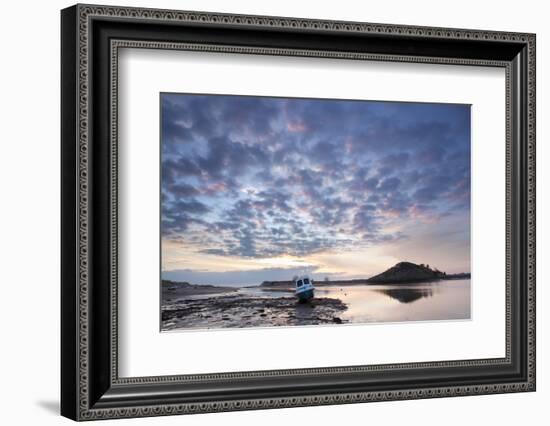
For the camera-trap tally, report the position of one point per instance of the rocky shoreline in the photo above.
(237, 311)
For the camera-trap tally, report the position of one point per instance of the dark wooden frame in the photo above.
(91, 37)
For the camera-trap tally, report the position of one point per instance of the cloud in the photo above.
(259, 177)
(389, 185)
(182, 190)
(296, 127)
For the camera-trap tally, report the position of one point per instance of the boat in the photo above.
(304, 288)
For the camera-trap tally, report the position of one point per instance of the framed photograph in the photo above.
(263, 212)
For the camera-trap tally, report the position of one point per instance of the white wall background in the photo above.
(29, 212)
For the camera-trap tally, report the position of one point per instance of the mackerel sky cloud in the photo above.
(256, 187)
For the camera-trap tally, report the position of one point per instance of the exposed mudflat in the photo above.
(237, 311)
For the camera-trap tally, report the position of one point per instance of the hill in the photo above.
(407, 272)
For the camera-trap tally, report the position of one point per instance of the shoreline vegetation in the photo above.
(400, 273)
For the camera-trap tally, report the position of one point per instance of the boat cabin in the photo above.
(304, 289)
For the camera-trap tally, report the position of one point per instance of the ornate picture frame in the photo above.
(91, 37)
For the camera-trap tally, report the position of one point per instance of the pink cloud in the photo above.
(215, 187)
(296, 127)
(422, 214)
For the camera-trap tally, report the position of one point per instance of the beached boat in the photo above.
(304, 289)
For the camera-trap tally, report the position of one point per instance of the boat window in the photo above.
(299, 283)
(306, 280)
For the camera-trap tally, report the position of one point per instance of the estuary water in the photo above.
(442, 300)
(353, 304)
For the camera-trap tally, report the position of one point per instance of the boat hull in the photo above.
(305, 295)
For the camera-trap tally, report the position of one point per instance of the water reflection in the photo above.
(407, 295)
(442, 300)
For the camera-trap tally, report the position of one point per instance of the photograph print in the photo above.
(311, 212)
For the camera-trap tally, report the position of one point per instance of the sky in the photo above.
(262, 188)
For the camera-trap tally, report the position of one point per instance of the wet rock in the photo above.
(247, 311)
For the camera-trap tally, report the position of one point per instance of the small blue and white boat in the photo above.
(304, 289)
